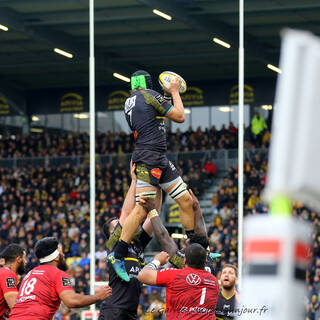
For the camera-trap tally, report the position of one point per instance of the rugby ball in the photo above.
(166, 76)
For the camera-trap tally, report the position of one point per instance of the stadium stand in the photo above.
(72, 144)
(37, 201)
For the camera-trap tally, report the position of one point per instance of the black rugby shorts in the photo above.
(154, 167)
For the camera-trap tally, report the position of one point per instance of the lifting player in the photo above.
(168, 244)
(123, 303)
(192, 293)
(145, 111)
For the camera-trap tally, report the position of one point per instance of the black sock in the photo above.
(121, 250)
(189, 233)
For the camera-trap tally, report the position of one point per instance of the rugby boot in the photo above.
(214, 255)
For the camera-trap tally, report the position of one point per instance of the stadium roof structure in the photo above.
(129, 36)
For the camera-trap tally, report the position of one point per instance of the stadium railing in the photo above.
(223, 159)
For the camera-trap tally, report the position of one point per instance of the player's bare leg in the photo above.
(135, 218)
(186, 212)
(181, 196)
(159, 200)
(147, 226)
(133, 222)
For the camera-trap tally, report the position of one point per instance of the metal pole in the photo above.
(240, 140)
(92, 154)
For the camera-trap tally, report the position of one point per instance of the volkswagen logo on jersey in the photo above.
(193, 279)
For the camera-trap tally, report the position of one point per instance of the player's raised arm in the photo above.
(160, 231)
(75, 300)
(176, 113)
(199, 225)
(148, 274)
(147, 225)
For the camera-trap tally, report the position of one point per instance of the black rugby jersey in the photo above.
(177, 260)
(225, 308)
(145, 111)
(125, 295)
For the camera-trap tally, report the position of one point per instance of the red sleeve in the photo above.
(62, 282)
(8, 281)
(165, 276)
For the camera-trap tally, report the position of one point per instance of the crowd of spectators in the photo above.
(72, 144)
(223, 231)
(36, 202)
(39, 202)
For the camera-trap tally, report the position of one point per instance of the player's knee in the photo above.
(178, 191)
(150, 193)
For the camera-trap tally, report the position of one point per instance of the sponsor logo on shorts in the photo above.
(10, 283)
(66, 282)
(156, 172)
(143, 173)
(193, 279)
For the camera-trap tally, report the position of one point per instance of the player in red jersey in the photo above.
(14, 264)
(45, 286)
(192, 293)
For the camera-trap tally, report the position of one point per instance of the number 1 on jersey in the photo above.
(129, 105)
(130, 116)
(203, 296)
